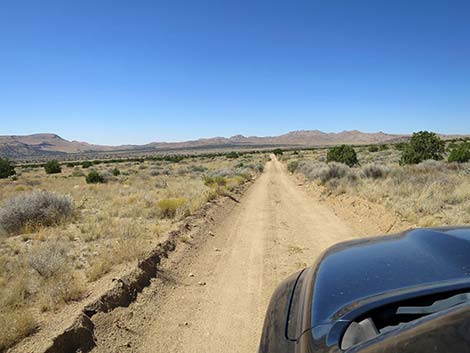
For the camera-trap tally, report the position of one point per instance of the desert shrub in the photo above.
(198, 168)
(278, 152)
(70, 165)
(48, 258)
(400, 146)
(342, 154)
(292, 166)
(35, 209)
(6, 168)
(383, 147)
(460, 153)
(232, 155)
(77, 173)
(333, 171)
(423, 145)
(86, 164)
(373, 148)
(116, 172)
(94, 178)
(217, 180)
(374, 171)
(52, 167)
(16, 325)
(169, 207)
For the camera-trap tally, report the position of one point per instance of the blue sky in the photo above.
(113, 71)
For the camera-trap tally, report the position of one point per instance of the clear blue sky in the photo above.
(112, 71)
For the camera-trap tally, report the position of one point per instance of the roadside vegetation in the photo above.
(66, 225)
(426, 181)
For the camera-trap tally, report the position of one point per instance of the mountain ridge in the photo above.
(50, 144)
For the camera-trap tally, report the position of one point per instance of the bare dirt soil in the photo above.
(211, 295)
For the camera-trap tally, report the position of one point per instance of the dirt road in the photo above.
(214, 297)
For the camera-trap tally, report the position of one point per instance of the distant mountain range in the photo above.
(40, 146)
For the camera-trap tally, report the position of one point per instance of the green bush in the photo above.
(94, 178)
(460, 153)
(86, 164)
(383, 147)
(232, 155)
(52, 167)
(116, 172)
(423, 145)
(6, 168)
(278, 152)
(292, 166)
(373, 148)
(342, 154)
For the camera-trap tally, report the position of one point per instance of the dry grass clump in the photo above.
(169, 208)
(15, 325)
(33, 210)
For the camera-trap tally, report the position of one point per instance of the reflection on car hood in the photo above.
(353, 271)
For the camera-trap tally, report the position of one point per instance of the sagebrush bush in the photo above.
(374, 171)
(33, 210)
(48, 258)
(373, 148)
(52, 167)
(292, 166)
(6, 168)
(169, 207)
(333, 171)
(116, 172)
(94, 178)
(342, 154)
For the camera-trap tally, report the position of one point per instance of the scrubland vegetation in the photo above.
(63, 226)
(427, 181)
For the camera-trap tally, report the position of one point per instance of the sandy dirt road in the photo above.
(213, 298)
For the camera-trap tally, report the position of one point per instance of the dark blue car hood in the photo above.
(367, 270)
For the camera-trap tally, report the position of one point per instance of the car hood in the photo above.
(375, 268)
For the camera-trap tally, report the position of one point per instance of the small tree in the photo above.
(278, 152)
(460, 153)
(6, 169)
(116, 172)
(373, 148)
(342, 154)
(423, 145)
(86, 164)
(52, 167)
(94, 178)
